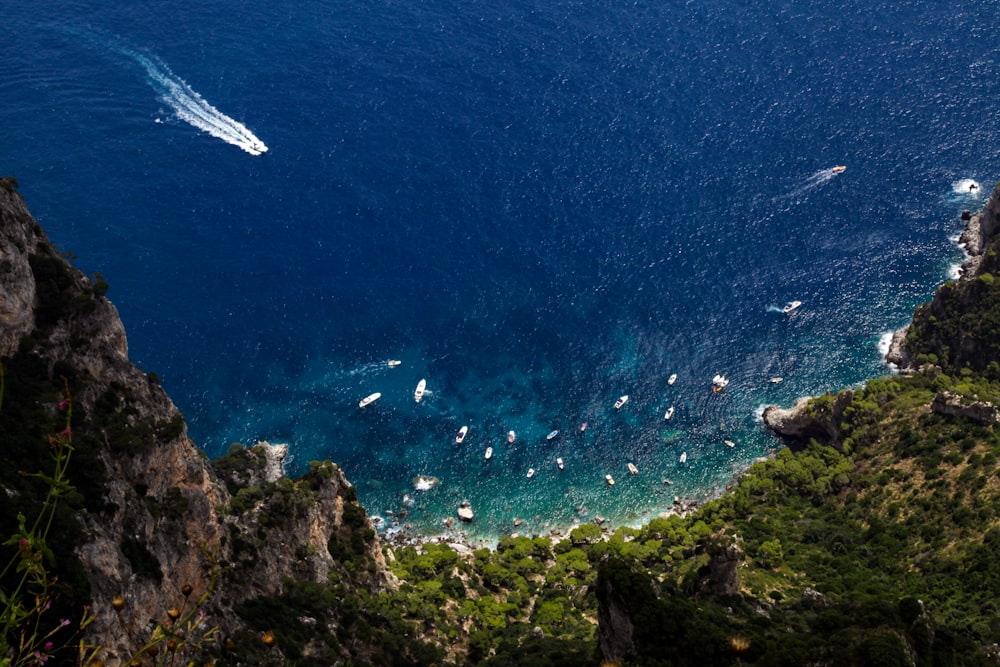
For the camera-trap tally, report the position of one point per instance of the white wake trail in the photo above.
(193, 109)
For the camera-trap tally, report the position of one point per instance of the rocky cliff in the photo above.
(154, 523)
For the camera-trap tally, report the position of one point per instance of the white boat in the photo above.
(632, 469)
(531, 473)
(419, 393)
(610, 480)
(489, 453)
(840, 168)
(672, 379)
(559, 463)
(583, 427)
(461, 434)
(669, 413)
(775, 380)
(552, 434)
(392, 363)
(729, 443)
(720, 381)
(790, 306)
(684, 457)
(511, 436)
(370, 398)
(621, 401)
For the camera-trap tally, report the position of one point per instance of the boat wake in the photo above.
(175, 92)
(814, 181)
(192, 107)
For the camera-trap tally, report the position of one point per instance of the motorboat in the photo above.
(672, 379)
(621, 401)
(369, 399)
(790, 306)
(421, 388)
(461, 434)
(610, 480)
(684, 457)
(583, 427)
(511, 436)
(776, 380)
(552, 434)
(559, 463)
(392, 363)
(720, 381)
(729, 443)
(531, 473)
(840, 168)
(489, 453)
(669, 413)
(632, 469)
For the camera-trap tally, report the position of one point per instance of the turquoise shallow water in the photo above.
(537, 209)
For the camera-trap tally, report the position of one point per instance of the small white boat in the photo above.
(669, 413)
(775, 380)
(790, 306)
(621, 401)
(672, 379)
(461, 434)
(489, 453)
(684, 457)
(419, 393)
(583, 427)
(840, 168)
(392, 363)
(511, 436)
(559, 463)
(632, 469)
(720, 381)
(531, 473)
(370, 398)
(610, 480)
(552, 434)
(729, 443)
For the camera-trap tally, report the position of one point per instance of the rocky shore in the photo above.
(800, 422)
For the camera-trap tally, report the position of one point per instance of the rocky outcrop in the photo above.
(810, 418)
(720, 577)
(952, 405)
(166, 520)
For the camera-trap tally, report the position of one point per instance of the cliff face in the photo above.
(164, 518)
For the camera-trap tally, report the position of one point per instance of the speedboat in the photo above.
(461, 434)
(838, 169)
(610, 480)
(632, 469)
(531, 473)
(583, 427)
(684, 457)
(370, 398)
(719, 383)
(511, 436)
(669, 413)
(729, 443)
(790, 306)
(552, 434)
(392, 363)
(621, 401)
(672, 379)
(489, 453)
(775, 380)
(419, 393)
(559, 463)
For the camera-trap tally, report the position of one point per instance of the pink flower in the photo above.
(66, 432)
(64, 404)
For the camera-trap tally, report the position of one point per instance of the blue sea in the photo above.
(536, 207)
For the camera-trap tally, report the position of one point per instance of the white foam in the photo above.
(966, 187)
(884, 341)
(192, 107)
